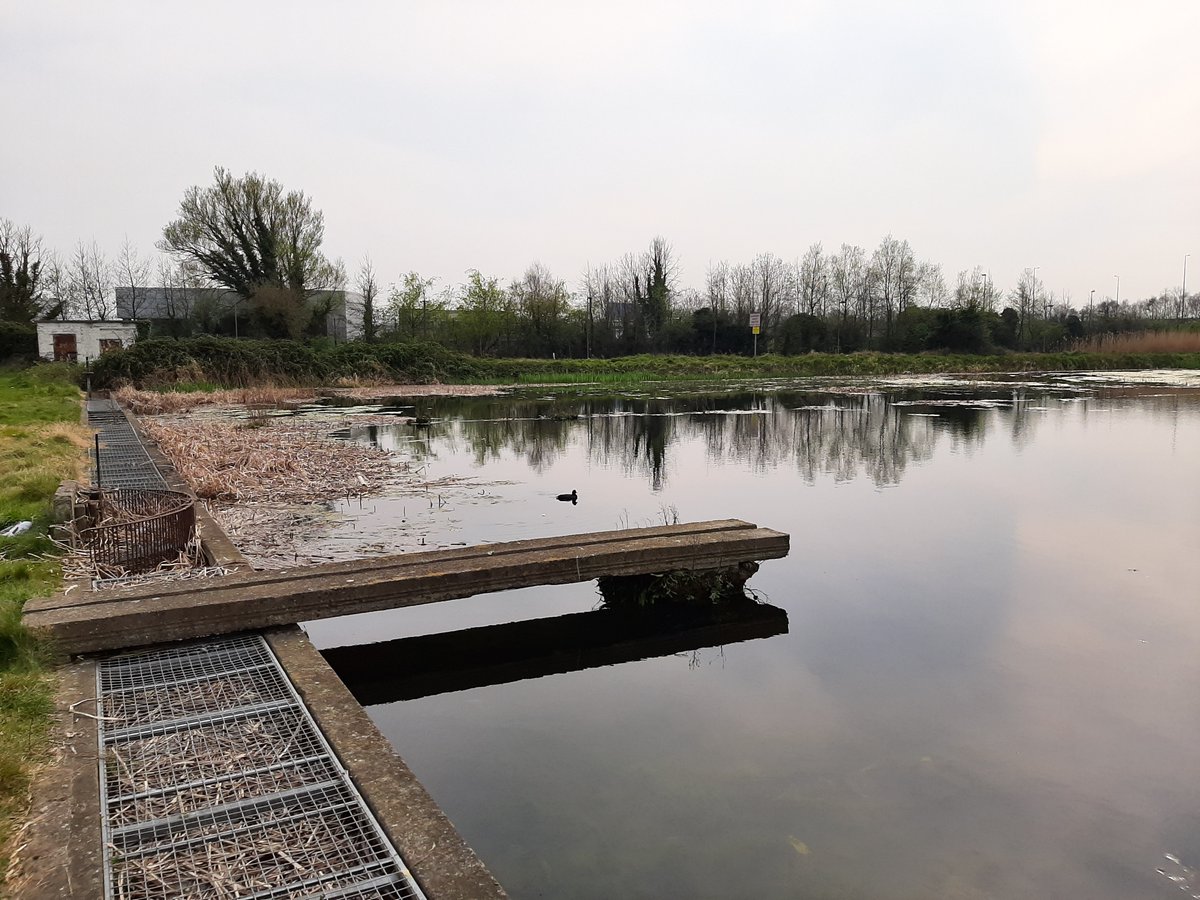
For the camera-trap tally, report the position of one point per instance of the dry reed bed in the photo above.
(1142, 342)
(153, 403)
(288, 461)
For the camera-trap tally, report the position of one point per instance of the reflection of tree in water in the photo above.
(844, 436)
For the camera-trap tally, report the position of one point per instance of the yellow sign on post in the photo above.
(754, 329)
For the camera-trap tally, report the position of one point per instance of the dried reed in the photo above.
(1142, 342)
(153, 403)
(283, 462)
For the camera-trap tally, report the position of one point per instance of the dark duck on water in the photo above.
(573, 497)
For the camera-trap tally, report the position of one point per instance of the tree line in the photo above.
(244, 256)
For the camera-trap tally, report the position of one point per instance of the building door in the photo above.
(64, 348)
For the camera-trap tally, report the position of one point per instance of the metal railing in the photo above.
(139, 529)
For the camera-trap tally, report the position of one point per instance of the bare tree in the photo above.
(368, 287)
(743, 292)
(717, 292)
(975, 290)
(813, 278)
(1025, 298)
(56, 278)
(91, 281)
(775, 292)
(132, 271)
(542, 303)
(182, 293)
(894, 274)
(847, 269)
(931, 285)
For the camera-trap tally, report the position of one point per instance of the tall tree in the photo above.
(931, 285)
(542, 303)
(484, 314)
(22, 268)
(408, 305)
(90, 283)
(717, 296)
(814, 281)
(250, 236)
(131, 271)
(368, 288)
(848, 270)
(1025, 298)
(660, 285)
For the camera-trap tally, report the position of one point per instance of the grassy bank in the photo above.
(225, 363)
(41, 443)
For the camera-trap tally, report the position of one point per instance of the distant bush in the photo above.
(226, 362)
(18, 341)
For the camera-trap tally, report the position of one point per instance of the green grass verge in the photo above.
(41, 443)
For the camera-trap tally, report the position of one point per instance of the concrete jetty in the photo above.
(130, 617)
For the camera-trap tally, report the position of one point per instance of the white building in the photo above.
(77, 340)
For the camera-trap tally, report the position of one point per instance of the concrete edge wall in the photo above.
(442, 862)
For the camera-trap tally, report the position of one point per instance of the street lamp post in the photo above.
(1183, 290)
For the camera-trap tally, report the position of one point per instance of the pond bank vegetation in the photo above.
(281, 367)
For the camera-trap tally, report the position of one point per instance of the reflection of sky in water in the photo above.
(988, 689)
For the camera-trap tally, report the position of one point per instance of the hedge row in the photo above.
(226, 362)
(17, 341)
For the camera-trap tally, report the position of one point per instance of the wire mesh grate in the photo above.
(216, 782)
(123, 461)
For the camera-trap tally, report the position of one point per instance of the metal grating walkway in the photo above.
(124, 462)
(215, 782)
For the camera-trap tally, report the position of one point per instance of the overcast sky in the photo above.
(445, 136)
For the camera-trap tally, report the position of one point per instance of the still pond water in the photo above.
(989, 685)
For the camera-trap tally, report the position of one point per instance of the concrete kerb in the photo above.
(442, 862)
(62, 854)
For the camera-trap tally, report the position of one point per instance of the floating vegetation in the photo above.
(290, 461)
(685, 587)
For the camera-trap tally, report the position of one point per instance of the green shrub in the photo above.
(18, 342)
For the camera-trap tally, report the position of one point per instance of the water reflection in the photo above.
(870, 433)
(988, 684)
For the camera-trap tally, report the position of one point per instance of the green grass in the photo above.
(632, 369)
(41, 444)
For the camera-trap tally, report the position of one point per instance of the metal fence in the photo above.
(140, 528)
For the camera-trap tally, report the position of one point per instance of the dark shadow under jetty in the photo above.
(409, 668)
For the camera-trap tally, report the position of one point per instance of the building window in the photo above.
(107, 344)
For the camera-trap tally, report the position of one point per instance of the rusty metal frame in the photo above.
(154, 527)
